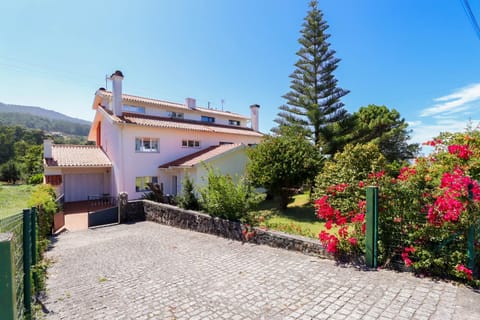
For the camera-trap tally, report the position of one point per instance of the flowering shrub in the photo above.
(425, 209)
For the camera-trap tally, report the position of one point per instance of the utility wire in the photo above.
(471, 17)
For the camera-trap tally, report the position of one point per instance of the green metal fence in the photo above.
(386, 239)
(19, 251)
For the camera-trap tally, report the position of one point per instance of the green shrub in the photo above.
(43, 198)
(35, 179)
(224, 198)
(188, 199)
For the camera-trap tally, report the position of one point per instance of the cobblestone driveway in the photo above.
(150, 271)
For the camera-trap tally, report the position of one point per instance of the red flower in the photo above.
(353, 241)
(328, 224)
(465, 270)
(361, 184)
(406, 173)
(460, 151)
(343, 232)
(359, 218)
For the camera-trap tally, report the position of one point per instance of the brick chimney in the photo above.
(190, 103)
(47, 149)
(117, 79)
(254, 109)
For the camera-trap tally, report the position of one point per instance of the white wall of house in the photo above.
(111, 143)
(143, 164)
(80, 182)
(231, 163)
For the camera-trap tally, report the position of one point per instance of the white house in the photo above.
(140, 140)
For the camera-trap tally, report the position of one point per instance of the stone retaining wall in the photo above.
(196, 221)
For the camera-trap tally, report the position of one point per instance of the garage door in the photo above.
(79, 186)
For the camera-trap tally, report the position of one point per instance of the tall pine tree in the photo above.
(314, 104)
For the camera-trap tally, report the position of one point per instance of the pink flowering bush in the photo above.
(425, 208)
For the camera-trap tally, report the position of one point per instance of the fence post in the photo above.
(27, 260)
(371, 236)
(8, 303)
(33, 238)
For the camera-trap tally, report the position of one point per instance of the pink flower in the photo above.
(461, 151)
(360, 217)
(406, 173)
(361, 184)
(467, 272)
(353, 241)
(328, 224)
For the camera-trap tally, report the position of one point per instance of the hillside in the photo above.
(40, 112)
(43, 119)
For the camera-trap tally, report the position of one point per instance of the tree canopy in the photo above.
(314, 99)
(386, 129)
(281, 163)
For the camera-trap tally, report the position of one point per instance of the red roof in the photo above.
(201, 156)
(67, 155)
(163, 122)
(126, 98)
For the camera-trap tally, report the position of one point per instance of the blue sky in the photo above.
(419, 57)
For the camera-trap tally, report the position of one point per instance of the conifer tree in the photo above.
(313, 102)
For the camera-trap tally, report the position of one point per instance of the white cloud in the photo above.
(425, 132)
(458, 101)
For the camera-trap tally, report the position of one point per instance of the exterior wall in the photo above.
(139, 164)
(60, 189)
(232, 163)
(111, 143)
(192, 115)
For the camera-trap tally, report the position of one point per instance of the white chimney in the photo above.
(47, 149)
(254, 108)
(191, 103)
(117, 78)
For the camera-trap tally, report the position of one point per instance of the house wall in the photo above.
(139, 164)
(111, 143)
(76, 172)
(232, 163)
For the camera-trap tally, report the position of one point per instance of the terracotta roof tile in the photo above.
(65, 155)
(136, 99)
(201, 156)
(186, 125)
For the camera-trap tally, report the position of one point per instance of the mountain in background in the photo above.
(43, 119)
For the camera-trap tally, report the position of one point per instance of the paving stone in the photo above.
(150, 271)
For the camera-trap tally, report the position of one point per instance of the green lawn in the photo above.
(298, 218)
(13, 198)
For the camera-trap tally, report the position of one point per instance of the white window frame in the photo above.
(141, 183)
(176, 115)
(234, 122)
(147, 145)
(190, 143)
(207, 119)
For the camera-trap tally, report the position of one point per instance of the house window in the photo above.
(234, 122)
(177, 115)
(146, 145)
(141, 183)
(208, 119)
(135, 109)
(190, 144)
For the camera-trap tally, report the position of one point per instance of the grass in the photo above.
(14, 198)
(298, 218)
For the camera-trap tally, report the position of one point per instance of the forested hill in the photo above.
(43, 119)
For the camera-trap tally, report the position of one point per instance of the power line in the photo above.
(471, 17)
